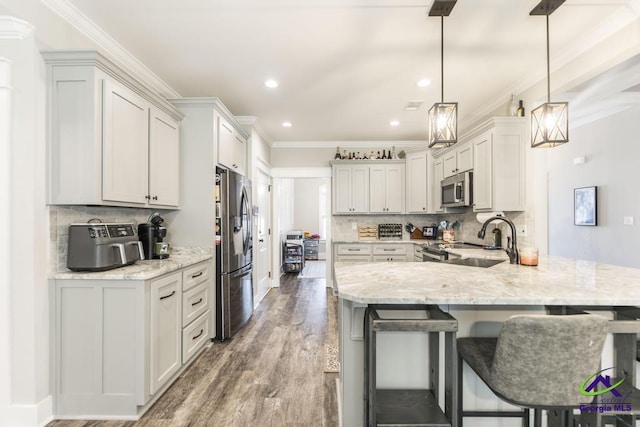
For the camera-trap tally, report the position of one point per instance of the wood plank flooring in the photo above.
(270, 374)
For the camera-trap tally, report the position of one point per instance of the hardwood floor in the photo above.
(270, 374)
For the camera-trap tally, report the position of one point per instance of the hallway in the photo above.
(271, 374)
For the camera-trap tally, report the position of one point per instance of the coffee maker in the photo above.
(151, 235)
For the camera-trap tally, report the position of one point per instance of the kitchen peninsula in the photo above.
(467, 293)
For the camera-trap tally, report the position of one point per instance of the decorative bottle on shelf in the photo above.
(372, 156)
(520, 109)
(378, 156)
(337, 156)
(344, 154)
(358, 157)
(384, 154)
(393, 153)
(514, 106)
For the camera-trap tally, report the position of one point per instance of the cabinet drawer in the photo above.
(354, 249)
(354, 258)
(195, 336)
(195, 301)
(389, 258)
(196, 274)
(389, 249)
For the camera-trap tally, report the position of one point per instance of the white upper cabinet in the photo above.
(232, 145)
(458, 160)
(386, 188)
(125, 153)
(164, 159)
(500, 165)
(417, 182)
(350, 189)
(438, 176)
(111, 141)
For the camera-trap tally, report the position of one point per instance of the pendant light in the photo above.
(550, 121)
(443, 116)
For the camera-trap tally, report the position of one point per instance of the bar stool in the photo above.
(537, 361)
(410, 406)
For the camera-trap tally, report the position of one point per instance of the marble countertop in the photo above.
(555, 281)
(393, 241)
(179, 257)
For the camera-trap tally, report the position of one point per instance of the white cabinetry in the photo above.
(118, 344)
(166, 329)
(499, 165)
(417, 182)
(458, 160)
(390, 252)
(352, 252)
(110, 140)
(386, 188)
(232, 145)
(350, 189)
(438, 176)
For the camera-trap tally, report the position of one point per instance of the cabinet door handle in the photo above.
(353, 250)
(388, 250)
(199, 335)
(155, 197)
(147, 197)
(197, 275)
(168, 296)
(196, 303)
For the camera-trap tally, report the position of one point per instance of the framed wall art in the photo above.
(585, 206)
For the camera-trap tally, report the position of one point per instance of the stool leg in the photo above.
(525, 417)
(460, 411)
(537, 417)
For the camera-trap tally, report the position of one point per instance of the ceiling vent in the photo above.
(413, 105)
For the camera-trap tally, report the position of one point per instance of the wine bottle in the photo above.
(337, 156)
(378, 157)
(514, 106)
(344, 154)
(520, 109)
(358, 156)
(384, 154)
(393, 153)
(372, 156)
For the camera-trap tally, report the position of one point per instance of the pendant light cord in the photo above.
(548, 67)
(442, 58)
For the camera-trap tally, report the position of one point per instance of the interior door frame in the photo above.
(318, 172)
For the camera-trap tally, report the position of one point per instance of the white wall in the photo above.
(611, 150)
(306, 205)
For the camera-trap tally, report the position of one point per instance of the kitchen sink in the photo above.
(475, 262)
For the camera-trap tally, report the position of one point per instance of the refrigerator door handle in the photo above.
(246, 244)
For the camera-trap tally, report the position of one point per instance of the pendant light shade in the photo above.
(550, 121)
(443, 124)
(443, 116)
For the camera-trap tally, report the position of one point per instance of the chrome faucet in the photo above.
(512, 248)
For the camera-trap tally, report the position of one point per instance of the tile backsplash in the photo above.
(61, 216)
(342, 225)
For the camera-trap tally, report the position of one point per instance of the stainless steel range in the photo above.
(435, 253)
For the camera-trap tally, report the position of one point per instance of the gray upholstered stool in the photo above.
(537, 361)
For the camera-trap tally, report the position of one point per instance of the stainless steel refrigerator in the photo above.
(234, 245)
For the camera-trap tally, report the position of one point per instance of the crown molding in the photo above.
(67, 11)
(387, 145)
(14, 28)
(252, 122)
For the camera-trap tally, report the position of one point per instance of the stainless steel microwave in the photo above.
(457, 190)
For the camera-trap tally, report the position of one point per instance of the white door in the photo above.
(262, 253)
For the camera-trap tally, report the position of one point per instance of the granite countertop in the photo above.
(179, 257)
(393, 241)
(555, 281)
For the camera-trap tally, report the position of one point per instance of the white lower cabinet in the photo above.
(373, 252)
(118, 344)
(166, 329)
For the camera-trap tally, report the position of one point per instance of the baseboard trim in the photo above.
(39, 414)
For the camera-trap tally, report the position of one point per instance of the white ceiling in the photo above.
(348, 67)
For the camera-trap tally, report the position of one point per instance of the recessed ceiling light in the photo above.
(423, 83)
(286, 124)
(394, 123)
(271, 83)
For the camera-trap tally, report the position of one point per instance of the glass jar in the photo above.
(529, 256)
